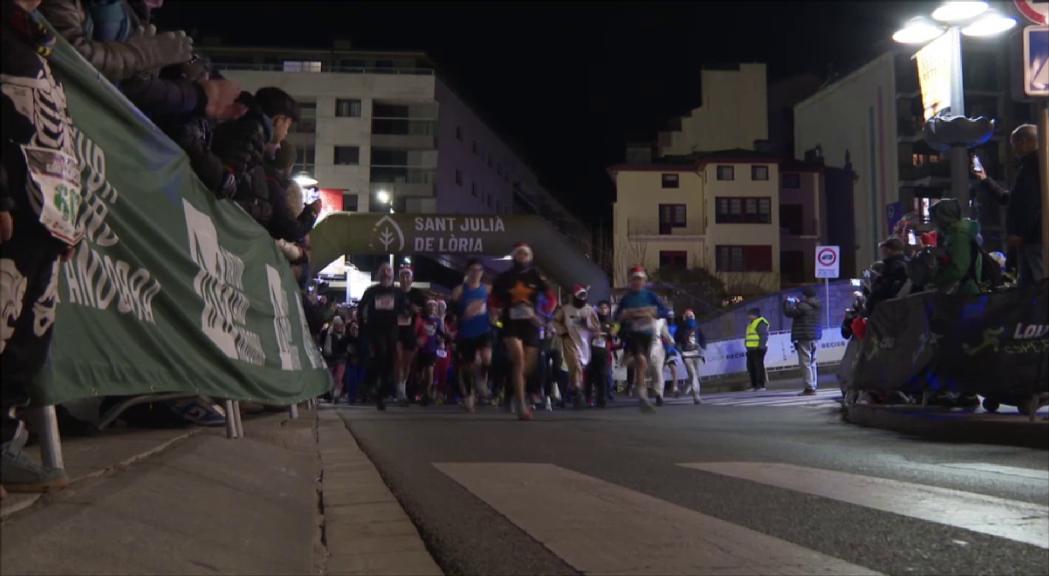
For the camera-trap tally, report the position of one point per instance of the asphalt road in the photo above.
(560, 518)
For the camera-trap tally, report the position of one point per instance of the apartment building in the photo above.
(872, 118)
(385, 122)
(750, 217)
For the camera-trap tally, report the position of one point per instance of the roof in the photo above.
(695, 161)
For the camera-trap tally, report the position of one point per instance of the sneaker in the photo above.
(646, 406)
(760, 389)
(696, 400)
(807, 392)
(659, 400)
(21, 474)
(525, 414)
(469, 404)
(549, 405)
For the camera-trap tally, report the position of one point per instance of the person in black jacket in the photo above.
(380, 307)
(892, 280)
(1023, 216)
(805, 332)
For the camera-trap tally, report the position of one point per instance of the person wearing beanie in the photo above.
(692, 343)
(805, 331)
(576, 323)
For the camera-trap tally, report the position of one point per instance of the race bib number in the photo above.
(385, 302)
(58, 177)
(522, 312)
(431, 329)
(476, 308)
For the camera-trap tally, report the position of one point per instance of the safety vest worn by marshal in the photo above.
(753, 339)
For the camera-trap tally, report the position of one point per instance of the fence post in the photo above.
(237, 420)
(50, 441)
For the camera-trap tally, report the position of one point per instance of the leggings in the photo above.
(382, 348)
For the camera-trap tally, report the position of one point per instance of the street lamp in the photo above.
(955, 19)
(305, 180)
(384, 197)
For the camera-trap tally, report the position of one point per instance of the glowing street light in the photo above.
(952, 12)
(305, 180)
(383, 197)
(990, 24)
(918, 31)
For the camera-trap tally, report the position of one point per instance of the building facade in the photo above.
(750, 218)
(872, 120)
(385, 121)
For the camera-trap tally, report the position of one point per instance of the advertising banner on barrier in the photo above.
(170, 290)
(991, 344)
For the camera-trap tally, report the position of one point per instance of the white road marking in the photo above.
(601, 528)
(1006, 470)
(1009, 519)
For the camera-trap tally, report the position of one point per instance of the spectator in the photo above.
(1023, 217)
(757, 345)
(958, 267)
(34, 114)
(892, 282)
(692, 343)
(334, 351)
(805, 331)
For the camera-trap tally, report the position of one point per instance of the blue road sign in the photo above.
(1036, 61)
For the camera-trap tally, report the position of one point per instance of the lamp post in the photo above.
(384, 197)
(955, 19)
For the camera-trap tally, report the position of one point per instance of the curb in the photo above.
(365, 530)
(945, 426)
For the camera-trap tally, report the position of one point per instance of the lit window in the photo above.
(726, 172)
(670, 181)
(300, 66)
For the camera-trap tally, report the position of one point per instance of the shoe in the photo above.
(21, 474)
(807, 392)
(659, 400)
(696, 400)
(524, 412)
(469, 404)
(646, 406)
(759, 389)
(549, 405)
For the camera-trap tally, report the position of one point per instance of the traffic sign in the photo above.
(1036, 61)
(1036, 12)
(828, 261)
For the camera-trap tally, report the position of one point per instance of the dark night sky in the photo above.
(566, 84)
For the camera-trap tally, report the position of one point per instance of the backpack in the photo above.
(990, 270)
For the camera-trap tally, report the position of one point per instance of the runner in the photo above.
(515, 294)
(429, 332)
(414, 301)
(380, 307)
(599, 371)
(444, 368)
(692, 343)
(638, 311)
(474, 343)
(575, 323)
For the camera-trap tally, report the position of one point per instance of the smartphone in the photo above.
(977, 165)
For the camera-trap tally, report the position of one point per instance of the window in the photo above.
(726, 172)
(753, 210)
(300, 66)
(791, 181)
(473, 189)
(305, 158)
(459, 133)
(459, 177)
(347, 108)
(347, 155)
(389, 157)
(307, 123)
(791, 218)
(670, 180)
(673, 259)
(350, 202)
(743, 258)
(759, 172)
(671, 216)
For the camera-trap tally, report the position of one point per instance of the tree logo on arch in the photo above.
(388, 232)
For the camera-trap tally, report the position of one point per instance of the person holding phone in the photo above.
(1023, 216)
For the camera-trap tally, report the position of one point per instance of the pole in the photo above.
(1043, 163)
(959, 154)
(826, 303)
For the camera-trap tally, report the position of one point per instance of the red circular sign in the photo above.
(827, 257)
(1032, 13)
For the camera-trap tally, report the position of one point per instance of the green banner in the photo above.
(171, 290)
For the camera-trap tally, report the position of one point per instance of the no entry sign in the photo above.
(828, 261)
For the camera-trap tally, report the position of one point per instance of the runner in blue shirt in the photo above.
(636, 314)
(474, 344)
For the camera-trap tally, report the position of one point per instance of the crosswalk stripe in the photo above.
(1014, 520)
(570, 513)
(997, 469)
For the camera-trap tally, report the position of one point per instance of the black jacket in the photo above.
(806, 316)
(1023, 216)
(887, 285)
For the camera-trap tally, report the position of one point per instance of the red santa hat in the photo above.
(406, 268)
(580, 291)
(638, 272)
(521, 246)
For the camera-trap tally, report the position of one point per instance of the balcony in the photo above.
(219, 64)
(405, 133)
(650, 228)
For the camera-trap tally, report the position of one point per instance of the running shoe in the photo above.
(549, 405)
(807, 392)
(696, 400)
(525, 413)
(469, 404)
(646, 406)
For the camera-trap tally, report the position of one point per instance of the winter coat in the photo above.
(806, 319)
(1023, 216)
(888, 284)
(957, 238)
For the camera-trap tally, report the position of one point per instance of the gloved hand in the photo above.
(240, 143)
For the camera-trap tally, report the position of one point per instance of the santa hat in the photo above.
(580, 291)
(521, 246)
(638, 272)
(406, 268)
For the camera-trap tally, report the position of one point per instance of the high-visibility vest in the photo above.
(753, 339)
